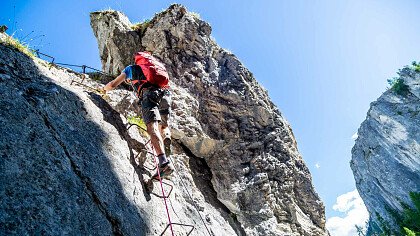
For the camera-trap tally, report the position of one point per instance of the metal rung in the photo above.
(142, 163)
(149, 169)
(131, 125)
(164, 196)
(169, 193)
(167, 226)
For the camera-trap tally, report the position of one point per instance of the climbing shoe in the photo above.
(167, 144)
(165, 171)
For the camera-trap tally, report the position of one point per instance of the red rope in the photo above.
(163, 191)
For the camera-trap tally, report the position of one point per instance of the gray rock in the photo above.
(222, 114)
(119, 45)
(386, 155)
(68, 166)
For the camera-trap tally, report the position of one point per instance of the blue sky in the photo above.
(322, 62)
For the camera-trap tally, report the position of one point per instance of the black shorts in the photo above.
(156, 105)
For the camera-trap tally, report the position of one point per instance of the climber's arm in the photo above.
(117, 81)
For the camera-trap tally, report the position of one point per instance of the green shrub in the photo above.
(137, 120)
(411, 216)
(360, 230)
(416, 66)
(398, 86)
(3, 28)
(409, 232)
(408, 221)
(386, 230)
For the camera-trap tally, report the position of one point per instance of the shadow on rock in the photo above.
(58, 172)
(114, 118)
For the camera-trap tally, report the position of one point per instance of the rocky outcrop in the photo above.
(386, 155)
(225, 118)
(121, 38)
(68, 165)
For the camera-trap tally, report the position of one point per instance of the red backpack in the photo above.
(153, 70)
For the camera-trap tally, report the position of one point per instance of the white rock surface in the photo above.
(386, 155)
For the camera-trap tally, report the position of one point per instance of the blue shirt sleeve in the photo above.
(128, 72)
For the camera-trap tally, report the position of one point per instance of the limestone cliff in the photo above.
(257, 171)
(68, 164)
(386, 155)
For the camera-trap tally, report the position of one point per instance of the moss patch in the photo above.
(416, 66)
(18, 45)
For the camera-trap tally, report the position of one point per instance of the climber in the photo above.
(149, 80)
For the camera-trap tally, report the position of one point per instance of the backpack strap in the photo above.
(139, 85)
(138, 79)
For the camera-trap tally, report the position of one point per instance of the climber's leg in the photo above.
(164, 111)
(152, 117)
(155, 137)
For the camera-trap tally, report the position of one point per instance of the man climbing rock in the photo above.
(149, 80)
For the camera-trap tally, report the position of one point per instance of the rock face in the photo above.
(386, 155)
(227, 119)
(120, 38)
(68, 164)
